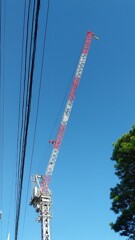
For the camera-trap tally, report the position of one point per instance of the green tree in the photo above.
(123, 194)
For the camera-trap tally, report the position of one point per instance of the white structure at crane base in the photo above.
(42, 202)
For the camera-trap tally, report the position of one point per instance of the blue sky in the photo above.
(103, 111)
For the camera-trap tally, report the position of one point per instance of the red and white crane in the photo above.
(41, 197)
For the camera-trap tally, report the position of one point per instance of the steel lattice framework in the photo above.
(67, 112)
(41, 197)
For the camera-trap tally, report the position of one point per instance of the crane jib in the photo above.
(67, 112)
(81, 65)
(87, 42)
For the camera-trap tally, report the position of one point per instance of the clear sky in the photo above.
(103, 111)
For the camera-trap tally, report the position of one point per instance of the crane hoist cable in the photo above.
(57, 118)
(61, 131)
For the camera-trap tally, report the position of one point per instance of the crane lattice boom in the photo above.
(41, 195)
(57, 142)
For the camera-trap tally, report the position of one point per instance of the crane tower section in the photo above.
(60, 134)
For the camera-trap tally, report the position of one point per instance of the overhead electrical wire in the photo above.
(2, 61)
(37, 110)
(21, 115)
(20, 89)
(3, 108)
(25, 133)
(23, 90)
(26, 81)
(26, 120)
(1, 121)
(25, 97)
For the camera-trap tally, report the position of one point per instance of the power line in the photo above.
(20, 89)
(18, 162)
(37, 110)
(2, 55)
(23, 99)
(1, 178)
(27, 118)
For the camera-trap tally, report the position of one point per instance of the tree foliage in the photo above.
(123, 194)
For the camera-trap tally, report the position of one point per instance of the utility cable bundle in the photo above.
(26, 103)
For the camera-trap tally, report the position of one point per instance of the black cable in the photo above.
(18, 164)
(58, 115)
(23, 98)
(19, 110)
(23, 117)
(2, 115)
(55, 123)
(27, 119)
(3, 76)
(28, 82)
(59, 112)
(63, 100)
(44, 47)
(20, 89)
(37, 111)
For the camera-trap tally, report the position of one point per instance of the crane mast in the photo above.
(41, 196)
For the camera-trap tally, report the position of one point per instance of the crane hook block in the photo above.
(97, 38)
